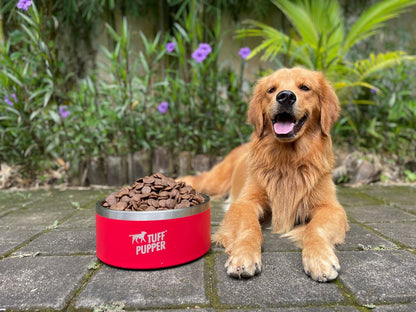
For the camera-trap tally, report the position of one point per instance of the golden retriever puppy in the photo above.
(285, 169)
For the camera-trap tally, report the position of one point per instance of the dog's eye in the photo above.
(304, 87)
(271, 90)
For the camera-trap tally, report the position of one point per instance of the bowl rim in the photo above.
(152, 215)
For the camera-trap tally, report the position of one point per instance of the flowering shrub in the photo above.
(172, 93)
(24, 4)
(31, 131)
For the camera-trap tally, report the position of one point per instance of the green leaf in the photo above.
(55, 116)
(116, 37)
(373, 19)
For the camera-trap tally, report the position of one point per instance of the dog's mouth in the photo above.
(286, 126)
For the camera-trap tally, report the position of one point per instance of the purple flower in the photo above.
(163, 107)
(202, 52)
(63, 111)
(244, 52)
(9, 101)
(205, 47)
(24, 4)
(374, 91)
(199, 55)
(170, 47)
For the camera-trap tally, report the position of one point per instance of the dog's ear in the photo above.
(255, 114)
(329, 106)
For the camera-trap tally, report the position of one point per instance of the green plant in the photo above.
(320, 41)
(30, 123)
(118, 108)
(410, 176)
(387, 125)
(207, 107)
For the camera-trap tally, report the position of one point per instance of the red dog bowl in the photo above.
(152, 239)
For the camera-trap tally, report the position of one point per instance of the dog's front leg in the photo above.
(326, 228)
(240, 234)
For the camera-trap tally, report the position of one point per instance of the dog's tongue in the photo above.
(283, 127)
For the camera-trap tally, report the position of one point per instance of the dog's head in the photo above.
(292, 102)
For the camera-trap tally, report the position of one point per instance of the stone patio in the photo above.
(48, 262)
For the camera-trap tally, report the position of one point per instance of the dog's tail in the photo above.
(217, 181)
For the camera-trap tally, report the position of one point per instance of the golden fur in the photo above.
(286, 174)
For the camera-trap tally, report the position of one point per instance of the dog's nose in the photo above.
(286, 97)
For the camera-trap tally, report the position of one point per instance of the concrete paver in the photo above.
(282, 282)
(40, 282)
(380, 276)
(48, 261)
(182, 285)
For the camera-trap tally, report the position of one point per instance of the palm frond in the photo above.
(374, 18)
(274, 42)
(374, 63)
(319, 25)
(300, 19)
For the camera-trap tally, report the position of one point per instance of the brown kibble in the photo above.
(156, 192)
(164, 194)
(174, 193)
(119, 206)
(125, 198)
(123, 191)
(135, 205)
(136, 198)
(143, 207)
(146, 189)
(170, 203)
(183, 204)
(148, 180)
(154, 203)
(111, 199)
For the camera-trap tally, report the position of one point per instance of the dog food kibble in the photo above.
(155, 192)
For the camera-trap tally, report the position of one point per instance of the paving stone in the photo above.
(404, 232)
(273, 242)
(384, 278)
(352, 197)
(14, 200)
(63, 242)
(282, 282)
(40, 282)
(402, 196)
(359, 236)
(187, 309)
(37, 218)
(381, 213)
(81, 219)
(218, 209)
(11, 238)
(380, 276)
(181, 285)
(396, 308)
(303, 309)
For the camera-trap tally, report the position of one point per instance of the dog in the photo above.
(285, 171)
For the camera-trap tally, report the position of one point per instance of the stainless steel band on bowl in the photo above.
(152, 215)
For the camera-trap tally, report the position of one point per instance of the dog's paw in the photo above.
(243, 264)
(321, 264)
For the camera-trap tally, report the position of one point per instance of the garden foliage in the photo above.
(320, 39)
(174, 93)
